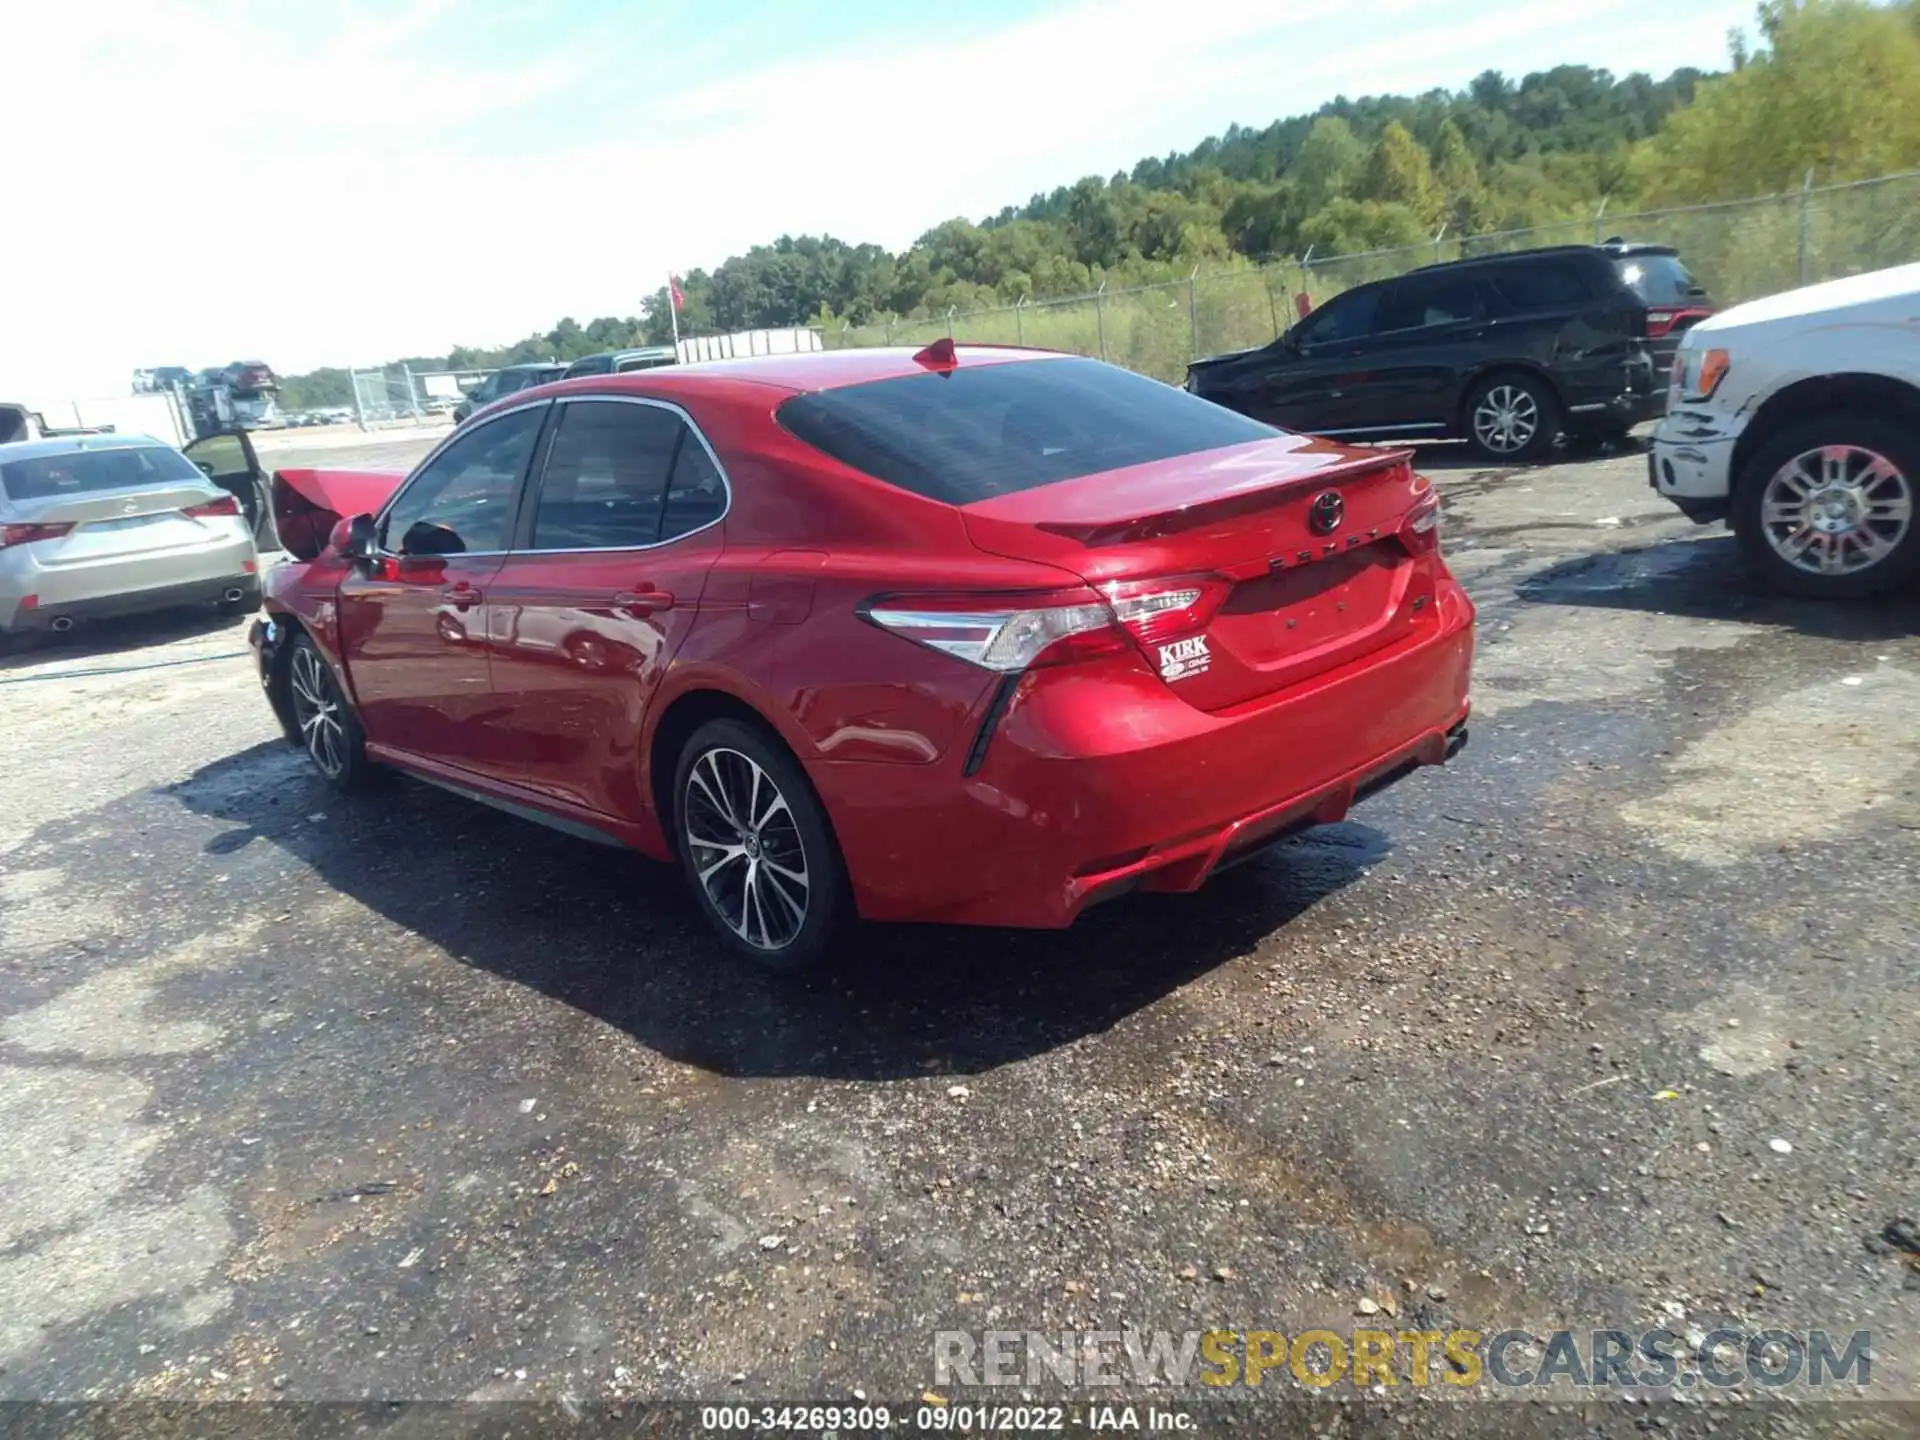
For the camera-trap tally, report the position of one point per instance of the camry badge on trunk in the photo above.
(1326, 512)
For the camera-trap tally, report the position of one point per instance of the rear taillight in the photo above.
(225, 505)
(27, 534)
(1420, 531)
(1156, 611)
(1014, 632)
(1000, 631)
(1659, 322)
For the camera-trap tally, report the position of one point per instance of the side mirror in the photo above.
(355, 538)
(206, 468)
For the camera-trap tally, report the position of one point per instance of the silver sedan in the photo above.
(94, 525)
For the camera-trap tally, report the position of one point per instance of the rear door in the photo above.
(612, 552)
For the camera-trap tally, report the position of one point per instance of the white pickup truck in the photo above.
(1797, 420)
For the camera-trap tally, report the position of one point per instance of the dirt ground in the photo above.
(1612, 1022)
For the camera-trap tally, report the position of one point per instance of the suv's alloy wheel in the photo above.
(1511, 417)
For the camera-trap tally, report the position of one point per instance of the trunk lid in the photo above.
(1303, 536)
(116, 524)
(307, 504)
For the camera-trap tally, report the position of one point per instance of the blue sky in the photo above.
(329, 182)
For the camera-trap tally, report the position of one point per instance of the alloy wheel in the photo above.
(1836, 510)
(745, 848)
(316, 708)
(1506, 419)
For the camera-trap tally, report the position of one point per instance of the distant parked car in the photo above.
(1797, 420)
(619, 362)
(94, 525)
(1676, 302)
(505, 381)
(1508, 351)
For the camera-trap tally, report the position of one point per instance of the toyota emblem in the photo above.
(1326, 512)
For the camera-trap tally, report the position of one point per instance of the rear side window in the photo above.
(619, 476)
(48, 477)
(604, 477)
(1658, 279)
(1425, 300)
(1541, 285)
(974, 433)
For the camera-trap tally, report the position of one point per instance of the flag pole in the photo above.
(673, 313)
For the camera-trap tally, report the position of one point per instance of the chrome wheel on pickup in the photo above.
(1836, 510)
(1826, 508)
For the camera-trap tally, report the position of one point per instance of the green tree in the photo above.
(1836, 90)
(1329, 160)
(1456, 174)
(1397, 172)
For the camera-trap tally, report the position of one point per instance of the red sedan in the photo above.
(973, 635)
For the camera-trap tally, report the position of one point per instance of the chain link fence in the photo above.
(395, 395)
(1738, 250)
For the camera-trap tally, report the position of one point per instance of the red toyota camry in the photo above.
(973, 635)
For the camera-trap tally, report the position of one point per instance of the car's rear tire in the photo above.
(756, 848)
(1829, 508)
(323, 717)
(1512, 416)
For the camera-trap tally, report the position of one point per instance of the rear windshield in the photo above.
(48, 477)
(1659, 279)
(991, 430)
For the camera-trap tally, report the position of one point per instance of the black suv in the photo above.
(1506, 350)
(504, 381)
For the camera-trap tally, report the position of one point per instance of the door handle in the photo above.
(647, 600)
(462, 596)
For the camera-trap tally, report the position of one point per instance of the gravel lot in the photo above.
(400, 1097)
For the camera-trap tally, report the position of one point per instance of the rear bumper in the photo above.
(33, 593)
(47, 615)
(1617, 400)
(1097, 784)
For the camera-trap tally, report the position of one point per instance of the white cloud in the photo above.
(206, 187)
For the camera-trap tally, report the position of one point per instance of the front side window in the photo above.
(462, 499)
(1346, 317)
(605, 479)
